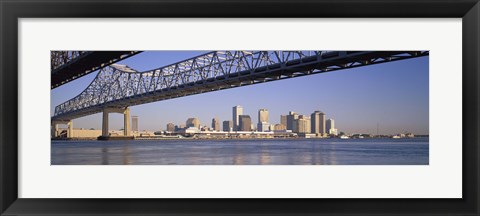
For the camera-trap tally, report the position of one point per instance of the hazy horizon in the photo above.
(394, 95)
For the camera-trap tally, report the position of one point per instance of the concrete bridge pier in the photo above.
(126, 120)
(55, 124)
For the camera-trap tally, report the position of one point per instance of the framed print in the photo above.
(224, 107)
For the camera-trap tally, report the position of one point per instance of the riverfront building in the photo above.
(318, 124)
(227, 125)
(216, 124)
(283, 120)
(170, 127)
(179, 127)
(193, 122)
(302, 124)
(237, 111)
(262, 115)
(135, 123)
(263, 124)
(291, 117)
(331, 127)
(279, 127)
(245, 123)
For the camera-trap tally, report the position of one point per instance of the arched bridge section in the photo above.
(119, 86)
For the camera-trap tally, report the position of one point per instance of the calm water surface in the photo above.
(238, 152)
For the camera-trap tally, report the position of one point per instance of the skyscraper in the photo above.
(330, 124)
(283, 120)
(318, 122)
(303, 124)
(227, 125)
(193, 122)
(237, 111)
(330, 129)
(291, 119)
(262, 115)
(263, 124)
(216, 124)
(245, 123)
(135, 123)
(170, 127)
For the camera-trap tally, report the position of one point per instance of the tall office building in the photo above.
(227, 125)
(330, 124)
(216, 124)
(318, 122)
(262, 115)
(245, 123)
(283, 120)
(237, 111)
(263, 124)
(135, 123)
(291, 117)
(170, 127)
(193, 122)
(302, 124)
(330, 129)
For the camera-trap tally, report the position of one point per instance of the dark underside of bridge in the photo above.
(86, 64)
(259, 75)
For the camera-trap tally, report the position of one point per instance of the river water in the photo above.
(243, 152)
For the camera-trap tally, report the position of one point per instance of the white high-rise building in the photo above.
(262, 115)
(263, 124)
(237, 112)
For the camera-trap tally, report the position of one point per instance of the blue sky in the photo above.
(394, 95)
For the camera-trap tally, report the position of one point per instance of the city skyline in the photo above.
(393, 95)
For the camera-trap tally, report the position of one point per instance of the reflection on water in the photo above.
(243, 152)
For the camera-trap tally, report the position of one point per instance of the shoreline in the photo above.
(236, 138)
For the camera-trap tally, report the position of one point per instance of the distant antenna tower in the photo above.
(377, 129)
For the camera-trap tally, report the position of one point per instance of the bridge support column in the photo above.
(126, 120)
(105, 123)
(70, 129)
(54, 129)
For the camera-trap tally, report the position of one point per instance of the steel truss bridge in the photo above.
(70, 65)
(117, 87)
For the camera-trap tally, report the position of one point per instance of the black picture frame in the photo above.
(12, 10)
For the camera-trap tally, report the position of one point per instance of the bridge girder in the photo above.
(120, 86)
